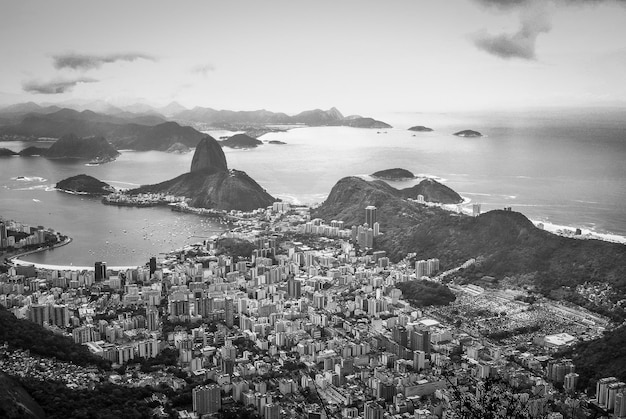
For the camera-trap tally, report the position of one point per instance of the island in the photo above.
(276, 142)
(468, 133)
(240, 141)
(92, 148)
(84, 184)
(393, 174)
(420, 128)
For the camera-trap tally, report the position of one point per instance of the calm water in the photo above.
(563, 168)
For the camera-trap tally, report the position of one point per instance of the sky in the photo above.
(359, 56)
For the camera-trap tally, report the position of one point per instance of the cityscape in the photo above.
(287, 316)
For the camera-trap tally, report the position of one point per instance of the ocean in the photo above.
(559, 167)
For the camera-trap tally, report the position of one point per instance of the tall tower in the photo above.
(476, 210)
(100, 271)
(371, 215)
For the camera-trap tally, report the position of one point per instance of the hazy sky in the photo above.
(360, 56)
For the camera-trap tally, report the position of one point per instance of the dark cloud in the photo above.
(88, 62)
(54, 87)
(534, 20)
(520, 44)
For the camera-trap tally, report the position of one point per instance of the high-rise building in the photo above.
(39, 313)
(371, 215)
(100, 271)
(152, 265)
(207, 399)
(420, 268)
(373, 410)
(272, 411)
(152, 318)
(229, 309)
(294, 288)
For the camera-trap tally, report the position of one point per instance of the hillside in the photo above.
(15, 402)
(5, 152)
(209, 183)
(432, 191)
(507, 242)
(92, 148)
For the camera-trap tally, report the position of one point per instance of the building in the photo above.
(373, 410)
(206, 399)
(272, 411)
(476, 210)
(100, 271)
(371, 215)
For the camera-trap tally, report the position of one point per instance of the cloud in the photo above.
(54, 87)
(203, 69)
(87, 61)
(535, 19)
(520, 44)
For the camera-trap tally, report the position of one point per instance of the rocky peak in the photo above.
(208, 157)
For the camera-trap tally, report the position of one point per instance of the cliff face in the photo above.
(70, 146)
(208, 157)
(210, 184)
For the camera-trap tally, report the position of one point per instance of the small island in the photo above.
(33, 151)
(394, 174)
(276, 142)
(420, 128)
(84, 184)
(468, 133)
(240, 141)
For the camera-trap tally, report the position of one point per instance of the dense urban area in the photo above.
(287, 316)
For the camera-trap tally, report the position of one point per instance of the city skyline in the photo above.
(360, 57)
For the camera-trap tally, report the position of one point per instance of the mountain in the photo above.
(240, 141)
(393, 174)
(85, 184)
(92, 148)
(420, 128)
(209, 183)
(468, 133)
(360, 123)
(208, 157)
(505, 242)
(171, 109)
(159, 137)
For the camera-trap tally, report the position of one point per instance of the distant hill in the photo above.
(393, 174)
(33, 151)
(210, 184)
(468, 133)
(240, 141)
(138, 132)
(92, 148)
(432, 191)
(506, 242)
(420, 128)
(85, 184)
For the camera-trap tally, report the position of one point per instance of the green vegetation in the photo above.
(603, 357)
(422, 293)
(24, 334)
(106, 401)
(234, 247)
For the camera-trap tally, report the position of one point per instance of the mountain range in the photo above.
(141, 127)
